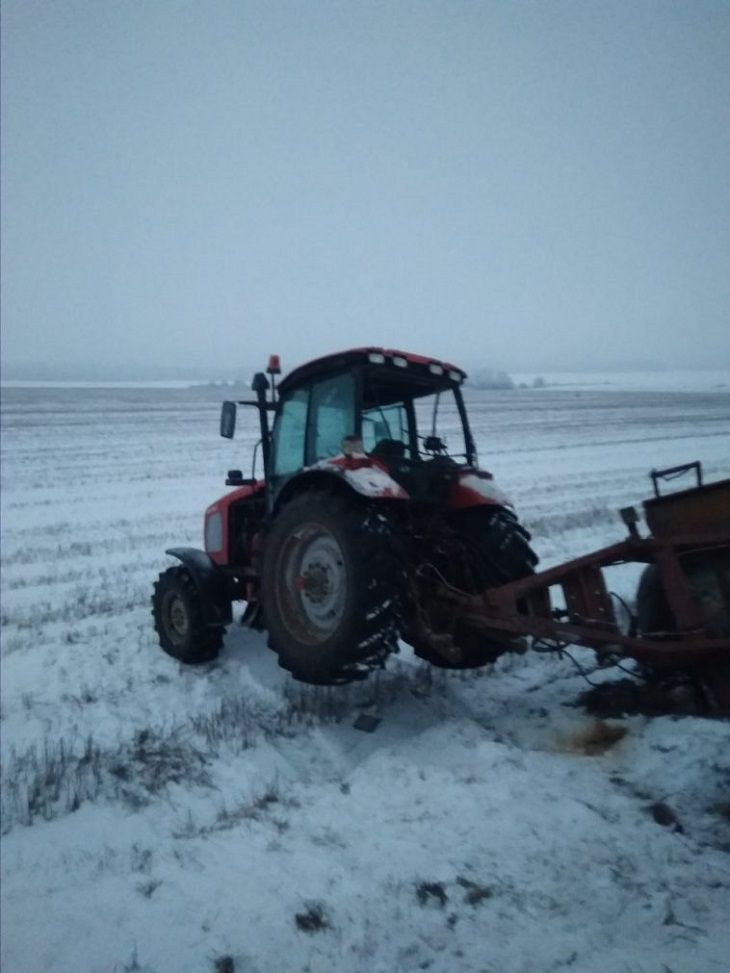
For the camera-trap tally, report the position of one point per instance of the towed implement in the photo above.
(373, 522)
(682, 618)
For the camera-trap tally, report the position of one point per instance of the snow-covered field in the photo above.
(225, 818)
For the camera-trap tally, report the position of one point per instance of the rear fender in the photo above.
(212, 584)
(361, 474)
(476, 488)
(366, 475)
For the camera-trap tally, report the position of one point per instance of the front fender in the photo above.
(212, 584)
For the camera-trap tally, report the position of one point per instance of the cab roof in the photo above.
(404, 364)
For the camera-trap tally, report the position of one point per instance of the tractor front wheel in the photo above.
(330, 587)
(179, 618)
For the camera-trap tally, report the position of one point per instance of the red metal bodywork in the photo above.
(365, 475)
(352, 355)
(476, 488)
(222, 507)
(473, 488)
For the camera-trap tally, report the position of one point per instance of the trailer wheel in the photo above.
(491, 548)
(330, 587)
(179, 620)
(708, 577)
(652, 609)
(709, 581)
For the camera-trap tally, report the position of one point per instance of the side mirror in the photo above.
(228, 419)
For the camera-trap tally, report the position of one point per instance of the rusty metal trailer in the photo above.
(686, 620)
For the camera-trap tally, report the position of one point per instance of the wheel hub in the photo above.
(315, 584)
(317, 579)
(176, 617)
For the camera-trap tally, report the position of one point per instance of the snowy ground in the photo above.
(163, 819)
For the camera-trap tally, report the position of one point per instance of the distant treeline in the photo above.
(490, 378)
(120, 372)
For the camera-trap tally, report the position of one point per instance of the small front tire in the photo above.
(179, 618)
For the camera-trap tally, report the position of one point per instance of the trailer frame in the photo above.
(690, 528)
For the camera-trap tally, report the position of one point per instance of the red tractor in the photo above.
(371, 508)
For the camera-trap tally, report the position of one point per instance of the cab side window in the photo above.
(331, 416)
(289, 431)
(388, 422)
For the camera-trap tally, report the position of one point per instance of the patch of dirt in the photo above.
(595, 739)
(474, 893)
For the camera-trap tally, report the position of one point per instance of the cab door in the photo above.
(331, 417)
(310, 425)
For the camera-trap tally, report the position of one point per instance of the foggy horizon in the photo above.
(88, 371)
(528, 186)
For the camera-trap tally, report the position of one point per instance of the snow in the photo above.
(160, 818)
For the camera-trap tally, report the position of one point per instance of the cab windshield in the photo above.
(399, 421)
(397, 425)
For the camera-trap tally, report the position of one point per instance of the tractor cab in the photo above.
(404, 412)
(397, 415)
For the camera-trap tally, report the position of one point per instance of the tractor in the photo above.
(372, 509)
(373, 523)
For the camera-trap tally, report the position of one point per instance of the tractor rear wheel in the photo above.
(488, 547)
(497, 546)
(180, 620)
(330, 587)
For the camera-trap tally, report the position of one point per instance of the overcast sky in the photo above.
(506, 182)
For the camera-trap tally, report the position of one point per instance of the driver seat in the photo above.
(389, 451)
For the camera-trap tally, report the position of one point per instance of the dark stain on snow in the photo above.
(664, 815)
(431, 892)
(313, 919)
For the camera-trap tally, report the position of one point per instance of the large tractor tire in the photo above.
(331, 587)
(497, 545)
(491, 548)
(180, 620)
